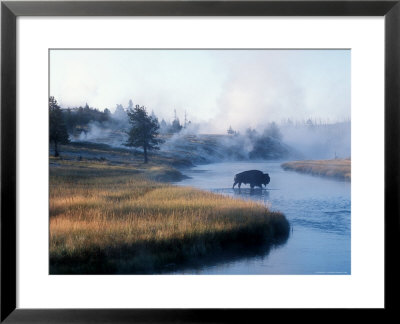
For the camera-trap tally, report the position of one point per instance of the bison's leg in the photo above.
(240, 184)
(234, 185)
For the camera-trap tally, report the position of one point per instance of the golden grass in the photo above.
(116, 220)
(328, 168)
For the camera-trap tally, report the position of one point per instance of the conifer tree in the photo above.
(57, 129)
(144, 131)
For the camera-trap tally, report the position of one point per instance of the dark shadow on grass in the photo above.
(174, 255)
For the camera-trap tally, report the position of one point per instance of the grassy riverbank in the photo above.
(339, 169)
(119, 218)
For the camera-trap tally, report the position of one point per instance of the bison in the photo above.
(253, 177)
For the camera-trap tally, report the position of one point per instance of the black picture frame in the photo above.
(10, 10)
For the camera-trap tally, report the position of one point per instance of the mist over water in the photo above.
(324, 141)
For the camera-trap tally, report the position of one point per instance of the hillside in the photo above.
(198, 148)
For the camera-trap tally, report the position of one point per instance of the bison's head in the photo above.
(266, 179)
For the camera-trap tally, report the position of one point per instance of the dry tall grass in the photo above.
(106, 219)
(329, 168)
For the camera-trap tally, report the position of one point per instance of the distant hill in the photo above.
(204, 148)
(197, 148)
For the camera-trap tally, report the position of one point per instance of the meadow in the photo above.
(338, 168)
(109, 218)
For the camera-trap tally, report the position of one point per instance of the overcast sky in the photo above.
(217, 88)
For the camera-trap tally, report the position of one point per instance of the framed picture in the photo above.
(196, 155)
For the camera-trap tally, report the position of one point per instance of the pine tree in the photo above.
(57, 129)
(144, 131)
(176, 126)
(130, 104)
(273, 131)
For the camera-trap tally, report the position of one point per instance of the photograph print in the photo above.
(202, 161)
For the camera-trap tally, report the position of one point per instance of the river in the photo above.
(317, 208)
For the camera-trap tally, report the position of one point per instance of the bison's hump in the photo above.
(250, 172)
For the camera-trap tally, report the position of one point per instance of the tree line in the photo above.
(271, 130)
(77, 118)
(143, 128)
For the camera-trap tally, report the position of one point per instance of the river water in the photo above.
(317, 208)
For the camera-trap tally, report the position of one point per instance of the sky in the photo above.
(216, 88)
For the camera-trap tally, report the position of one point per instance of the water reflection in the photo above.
(251, 192)
(229, 254)
(258, 193)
